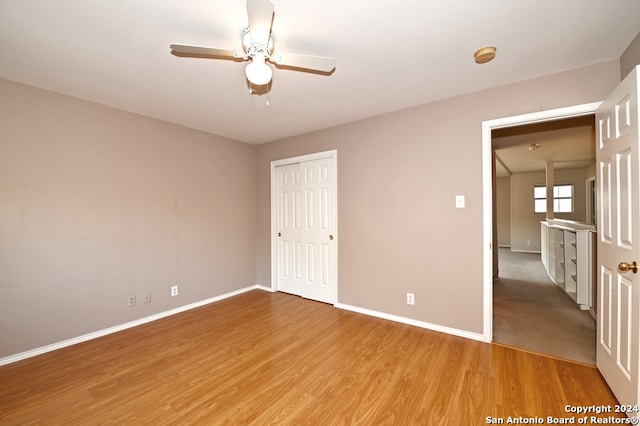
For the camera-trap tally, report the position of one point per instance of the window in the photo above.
(562, 199)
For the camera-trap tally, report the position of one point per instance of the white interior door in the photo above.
(318, 239)
(289, 242)
(617, 348)
(305, 228)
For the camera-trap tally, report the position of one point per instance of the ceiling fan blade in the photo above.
(185, 50)
(317, 63)
(260, 13)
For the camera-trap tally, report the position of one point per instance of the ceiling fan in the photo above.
(257, 46)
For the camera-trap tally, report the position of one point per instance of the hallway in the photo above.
(530, 312)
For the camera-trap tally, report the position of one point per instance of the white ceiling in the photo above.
(568, 144)
(389, 55)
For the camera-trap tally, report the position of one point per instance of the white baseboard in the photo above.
(415, 323)
(94, 335)
(89, 336)
(264, 288)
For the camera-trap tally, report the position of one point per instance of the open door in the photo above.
(617, 150)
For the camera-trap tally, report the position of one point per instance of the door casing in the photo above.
(487, 193)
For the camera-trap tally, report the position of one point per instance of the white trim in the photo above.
(487, 192)
(333, 155)
(307, 157)
(590, 197)
(412, 322)
(100, 333)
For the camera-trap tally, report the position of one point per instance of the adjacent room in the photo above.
(532, 310)
(257, 212)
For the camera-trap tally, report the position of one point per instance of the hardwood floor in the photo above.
(262, 358)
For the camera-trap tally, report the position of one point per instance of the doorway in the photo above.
(617, 208)
(531, 311)
(489, 236)
(304, 226)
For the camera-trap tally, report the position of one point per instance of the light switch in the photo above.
(459, 201)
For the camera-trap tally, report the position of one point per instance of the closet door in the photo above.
(306, 239)
(289, 242)
(318, 239)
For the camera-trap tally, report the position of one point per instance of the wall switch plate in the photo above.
(147, 297)
(131, 301)
(411, 299)
(459, 201)
(174, 290)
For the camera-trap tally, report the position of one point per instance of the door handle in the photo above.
(279, 234)
(624, 267)
(331, 237)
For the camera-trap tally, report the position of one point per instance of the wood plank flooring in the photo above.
(262, 358)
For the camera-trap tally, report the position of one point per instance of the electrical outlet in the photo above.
(528, 242)
(411, 299)
(131, 301)
(174, 290)
(147, 297)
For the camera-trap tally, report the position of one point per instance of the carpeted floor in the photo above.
(530, 312)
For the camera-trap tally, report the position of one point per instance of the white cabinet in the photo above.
(568, 255)
(570, 264)
(559, 257)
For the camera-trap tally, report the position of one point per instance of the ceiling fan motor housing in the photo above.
(251, 47)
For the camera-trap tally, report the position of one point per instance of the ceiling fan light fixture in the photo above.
(258, 72)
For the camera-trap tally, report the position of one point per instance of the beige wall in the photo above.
(525, 224)
(577, 177)
(503, 211)
(398, 175)
(97, 204)
(630, 58)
